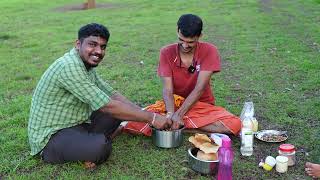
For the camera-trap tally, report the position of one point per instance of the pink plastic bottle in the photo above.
(225, 155)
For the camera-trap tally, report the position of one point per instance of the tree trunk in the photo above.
(90, 4)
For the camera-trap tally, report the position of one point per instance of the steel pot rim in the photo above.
(190, 154)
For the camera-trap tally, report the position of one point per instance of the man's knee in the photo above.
(103, 123)
(216, 127)
(102, 152)
(94, 148)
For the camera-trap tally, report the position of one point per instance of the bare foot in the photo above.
(313, 170)
(89, 165)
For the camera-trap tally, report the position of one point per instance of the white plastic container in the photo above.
(282, 164)
(268, 164)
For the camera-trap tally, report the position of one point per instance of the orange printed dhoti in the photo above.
(201, 114)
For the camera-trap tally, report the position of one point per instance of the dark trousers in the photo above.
(84, 142)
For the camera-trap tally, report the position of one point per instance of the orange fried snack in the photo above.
(194, 141)
(207, 156)
(202, 138)
(209, 147)
(198, 139)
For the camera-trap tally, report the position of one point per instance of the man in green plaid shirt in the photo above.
(74, 112)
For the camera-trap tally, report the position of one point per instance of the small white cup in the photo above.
(271, 161)
(268, 164)
(282, 164)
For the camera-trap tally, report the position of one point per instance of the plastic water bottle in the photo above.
(225, 155)
(247, 136)
(248, 109)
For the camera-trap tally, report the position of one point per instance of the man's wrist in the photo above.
(169, 114)
(179, 113)
(153, 118)
(149, 118)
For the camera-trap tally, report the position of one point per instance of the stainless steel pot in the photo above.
(201, 166)
(167, 139)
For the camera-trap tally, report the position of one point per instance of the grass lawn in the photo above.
(270, 55)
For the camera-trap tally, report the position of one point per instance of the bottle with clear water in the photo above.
(247, 136)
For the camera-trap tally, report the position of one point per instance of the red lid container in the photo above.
(287, 148)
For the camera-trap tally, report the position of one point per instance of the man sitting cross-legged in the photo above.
(74, 112)
(186, 68)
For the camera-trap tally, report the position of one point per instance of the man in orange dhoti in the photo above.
(185, 68)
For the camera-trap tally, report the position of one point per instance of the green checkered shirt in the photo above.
(65, 96)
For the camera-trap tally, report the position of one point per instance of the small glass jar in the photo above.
(288, 150)
(281, 164)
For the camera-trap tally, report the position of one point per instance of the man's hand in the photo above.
(169, 115)
(161, 122)
(177, 121)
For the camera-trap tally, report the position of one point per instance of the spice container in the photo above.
(288, 150)
(268, 164)
(255, 124)
(281, 164)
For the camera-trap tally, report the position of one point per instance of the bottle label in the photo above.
(247, 138)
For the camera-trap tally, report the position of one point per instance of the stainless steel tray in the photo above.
(271, 136)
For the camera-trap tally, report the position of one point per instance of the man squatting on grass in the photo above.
(74, 112)
(186, 68)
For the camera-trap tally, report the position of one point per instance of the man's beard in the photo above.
(189, 49)
(89, 66)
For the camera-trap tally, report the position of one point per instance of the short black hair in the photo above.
(190, 25)
(93, 29)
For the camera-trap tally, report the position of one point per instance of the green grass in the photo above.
(270, 54)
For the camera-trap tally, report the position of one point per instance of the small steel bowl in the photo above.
(167, 139)
(201, 166)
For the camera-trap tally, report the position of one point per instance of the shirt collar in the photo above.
(177, 58)
(74, 52)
